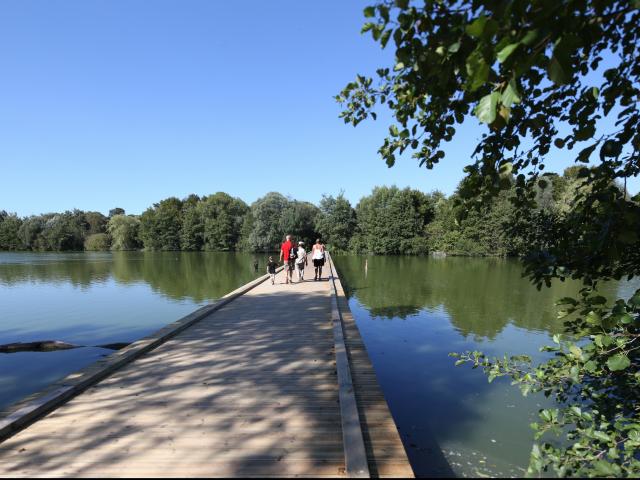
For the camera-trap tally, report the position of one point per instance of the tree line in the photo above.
(388, 221)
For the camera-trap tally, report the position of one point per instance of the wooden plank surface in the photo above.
(249, 390)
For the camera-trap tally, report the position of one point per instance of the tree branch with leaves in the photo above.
(542, 76)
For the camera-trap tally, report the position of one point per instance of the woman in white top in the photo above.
(317, 255)
(301, 260)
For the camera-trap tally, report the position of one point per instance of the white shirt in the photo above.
(302, 253)
(318, 252)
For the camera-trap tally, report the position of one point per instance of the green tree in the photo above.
(63, 231)
(124, 231)
(266, 213)
(192, 231)
(95, 223)
(97, 242)
(29, 232)
(336, 222)
(529, 71)
(244, 243)
(9, 227)
(392, 221)
(160, 225)
(116, 211)
(223, 218)
(299, 219)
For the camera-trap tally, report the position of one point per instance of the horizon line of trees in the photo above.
(389, 221)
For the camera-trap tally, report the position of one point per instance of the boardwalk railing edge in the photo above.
(355, 454)
(39, 404)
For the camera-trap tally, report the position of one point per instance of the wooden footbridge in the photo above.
(269, 381)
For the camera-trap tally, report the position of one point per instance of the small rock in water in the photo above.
(493, 441)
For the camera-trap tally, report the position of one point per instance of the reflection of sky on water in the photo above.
(23, 373)
(412, 312)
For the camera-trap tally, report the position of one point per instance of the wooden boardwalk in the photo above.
(251, 389)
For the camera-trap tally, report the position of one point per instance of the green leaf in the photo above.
(567, 301)
(590, 366)
(476, 27)
(576, 351)
(618, 362)
(385, 38)
(600, 435)
(558, 71)
(560, 68)
(454, 47)
(477, 70)
(510, 94)
(404, 4)
(530, 37)
(384, 12)
(602, 468)
(593, 318)
(625, 319)
(369, 12)
(486, 109)
(506, 51)
(585, 133)
(367, 26)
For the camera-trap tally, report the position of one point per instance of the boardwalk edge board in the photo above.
(356, 463)
(25, 413)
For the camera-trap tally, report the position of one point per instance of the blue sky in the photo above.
(107, 103)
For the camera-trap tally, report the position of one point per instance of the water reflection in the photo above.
(178, 275)
(412, 312)
(481, 295)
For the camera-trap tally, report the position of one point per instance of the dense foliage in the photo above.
(389, 221)
(543, 76)
(336, 222)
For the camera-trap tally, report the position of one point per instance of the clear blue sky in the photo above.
(107, 103)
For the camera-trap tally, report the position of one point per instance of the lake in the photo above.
(411, 311)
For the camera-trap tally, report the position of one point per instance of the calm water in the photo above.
(412, 312)
(99, 298)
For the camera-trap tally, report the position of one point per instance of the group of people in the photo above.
(295, 258)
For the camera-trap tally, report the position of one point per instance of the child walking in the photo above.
(271, 270)
(301, 260)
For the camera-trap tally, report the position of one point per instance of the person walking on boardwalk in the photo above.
(301, 260)
(271, 270)
(285, 253)
(317, 255)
